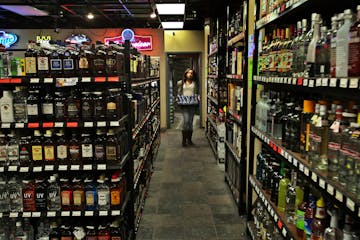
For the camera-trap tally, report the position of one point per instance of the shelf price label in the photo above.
(48, 80)
(12, 168)
(354, 82)
(322, 183)
(86, 79)
(19, 125)
(318, 82)
(333, 82)
(103, 213)
(49, 168)
(63, 167)
(51, 214)
(72, 124)
(284, 232)
(306, 171)
(5, 125)
(311, 83)
(305, 82)
(115, 213)
(324, 82)
(36, 214)
(314, 177)
(339, 196)
(343, 83)
(301, 167)
(37, 169)
(87, 167)
(14, 214)
(59, 124)
(34, 80)
(350, 204)
(300, 82)
(330, 189)
(65, 214)
(26, 214)
(76, 213)
(100, 79)
(24, 169)
(89, 213)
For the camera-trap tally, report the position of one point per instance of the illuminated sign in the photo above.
(141, 43)
(43, 39)
(7, 39)
(77, 39)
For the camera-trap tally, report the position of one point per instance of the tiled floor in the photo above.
(188, 197)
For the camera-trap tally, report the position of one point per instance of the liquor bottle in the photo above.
(112, 105)
(103, 192)
(12, 150)
(87, 106)
(276, 120)
(40, 195)
(28, 192)
(43, 69)
(354, 47)
(295, 48)
(91, 233)
(103, 233)
(111, 146)
(54, 196)
(99, 60)
(33, 106)
(333, 232)
(321, 162)
(286, 124)
(309, 216)
(290, 207)
(3, 153)
(37, 148)
(54, 232)
(111, 65)
(56, 65)
(78, 195)
(47, 106)
(29, 229)
(99, 106)
(348, 230)
(322, 54)
(30, 60)
(342, 46)
(69, 61)
(115, 192)
(318, 224)
(61, 148)
(311, 50)
(336, 22)
(87, 154)
(275, 187)
(59, 106)
(84, 61)
(283, 186)
(295, 132)
(306, 115)
(7, 107)
(74, 149)
(20, 104)
(91, 195)
(4, 197)
(73, 109)
(66, 192)
(116, 231)
(19, 231)
(99, 146)
(49, 148)
(315, 136)
(15, 195)
(65, 233)
(302, 48)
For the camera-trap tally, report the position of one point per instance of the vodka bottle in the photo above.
(342, 46)
(53, 195)
(15, 194)
(354, 47)
(4, 197)
(335, 23)
(12, 150)
(322, 56)
(311, 50)
(7, 107)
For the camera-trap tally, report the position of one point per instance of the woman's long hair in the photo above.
(194, 78)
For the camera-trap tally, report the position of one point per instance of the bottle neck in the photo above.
(334, 220)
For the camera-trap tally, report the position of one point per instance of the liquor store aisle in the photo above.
(188, 197)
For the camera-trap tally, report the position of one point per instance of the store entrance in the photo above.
(177, 63)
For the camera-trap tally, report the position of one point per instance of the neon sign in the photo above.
(77, 39)
(8, 39)
(141, 43)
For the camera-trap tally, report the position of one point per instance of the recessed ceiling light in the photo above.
(172, 25)
(153, 15)
(90, 15)
(25, 10)
(170, 8)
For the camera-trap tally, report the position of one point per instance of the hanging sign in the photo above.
(42, 39)
(7, 39)
(77, 39)
(141, 43)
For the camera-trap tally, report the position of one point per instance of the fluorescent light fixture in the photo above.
(25, 10)
(90, 15)
(153, 15)
(172, 25)
(170, 8)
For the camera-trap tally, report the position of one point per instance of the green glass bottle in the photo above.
(283, 186)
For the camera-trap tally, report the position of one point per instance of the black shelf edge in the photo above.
(140, 125)
(234, 191)
(252, 229)
(236, 39)
(213, 100)
(138, 212)
(143, 81)
(212, 122)
(278, 13)
(236, 118)
(287, 230)
(62, 81)
(213, 52)
(212, 146)
(232, 150)
(334, 189)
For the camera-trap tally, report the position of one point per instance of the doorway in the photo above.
(177, 63)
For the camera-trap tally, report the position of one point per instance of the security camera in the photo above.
(57, 30)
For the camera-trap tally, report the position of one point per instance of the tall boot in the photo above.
(184, 136)
(189, 136)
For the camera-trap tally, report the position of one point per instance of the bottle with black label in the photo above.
(40, 195)
(111, 146)
(87, 154)
(47, 106)
(20, 113)
(99, 60)
(32, 106)
(87, 106)
(112, 105)
(99, 146)
(25, 151)
(59, 106)
(73, 107)
(99, 106)
(74, 149)
(111, 65)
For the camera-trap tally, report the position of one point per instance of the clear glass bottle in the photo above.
(20, 113)
(354, 47)
(19, 231)
(54, 195)
(15, 195)
(333, 232)
(103, 192)
(311, 50)
(342, 46)
(7, 107)
(91, 195)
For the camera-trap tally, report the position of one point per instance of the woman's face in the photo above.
(189, 74)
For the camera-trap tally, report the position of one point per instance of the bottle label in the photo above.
(99, 152)
(61, 152)
(115, 197)
(66, 198)
(24, 154)
(99, 62)
(74, 152)
(68, 64)
(110, 62)
(55, 64)
(20, 111)
(66, 238)
(103, 197)
(111, 106)
(87, 150)
(86, 107)
(90, 198)
(40, 200)
(83, 63)
(36, 152)
(3, 153)
(30, 65)
(334, 146)
(43, 63)
(60, 109)
(72, 109)
(307, 226)
(48, 108)
(78, 197)
(6, 112)
(49, 153)
(4, 195)
(32, 109)
(29, 200)
(13, 152)
(110, 152)
(354, 53)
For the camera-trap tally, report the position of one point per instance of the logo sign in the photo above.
(141, 43)
(43, 39)
(7, 39)
(77, 39)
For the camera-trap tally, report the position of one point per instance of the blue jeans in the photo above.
(188, 116)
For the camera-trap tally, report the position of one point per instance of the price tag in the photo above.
(65, 214)
(14, 214)
(2, 169)
(89, 213)
(76, 213)
(5, 125)
(290, 159)
(272, 212)
(72, 124)
(75, 167)
(48, 125)
(63, 167)
(26, 214)
(306, 171)
(324, 82)
(294, 80)
(101, 124)
(350, 204)
(354, 83)
(24, 169)
(305, 82)
(59, 124)
(314, 177)
(101, 166)
(12, 168)
(276, 218)
(103, 213)
(333, 82)
(322, 183)
(301, 167)
(33, 125)
(87, 167)
(330, 189)
(85, 79)
(339, 196)
(36, 214)
(51, 214)
(343, 82)
(88, 124)
(48, 80)
(115, 213)
(295, 162)
(49, 167)
(34, 80)
(114, 124)
(113, 79)
(318, 82)
(37, 169)
(311, 83)
(100, 79)
(284, 232)
(19, 125)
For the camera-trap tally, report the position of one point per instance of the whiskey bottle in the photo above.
(37, 148)
(99, 146)
(99, 106)
(33, 106)
(111, 146)
(84, 61)
(103, 233)
(115, 193)
(20, 114)
(87, 106)
(47, 106)
(66, 192)
(78, 195)
(12, 150)
(61, 148)
(3, 146)
(73, 107)
(25, 151)
(59, 106)
(28, 193)
(91, 195)
(43, 69)
(74, 149)
(49, 148)
(99, 60)
(30, 60)
(56, 65)
(354, 47)
(111, 64)
(87, 154)
(112, 105)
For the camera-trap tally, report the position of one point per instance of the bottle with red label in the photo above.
(28, 193)
(115, 192)
(66, 192)
(103, 233)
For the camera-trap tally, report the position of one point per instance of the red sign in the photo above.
(141, 43)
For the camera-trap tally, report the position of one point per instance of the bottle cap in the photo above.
(88, 180)
(18, 224)
(90, 227)
(52, 178)
(320, 203)
(309, 106)
(314, 17)
(304, 23)
(347, 12)
(358, 8)
(76, 180)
